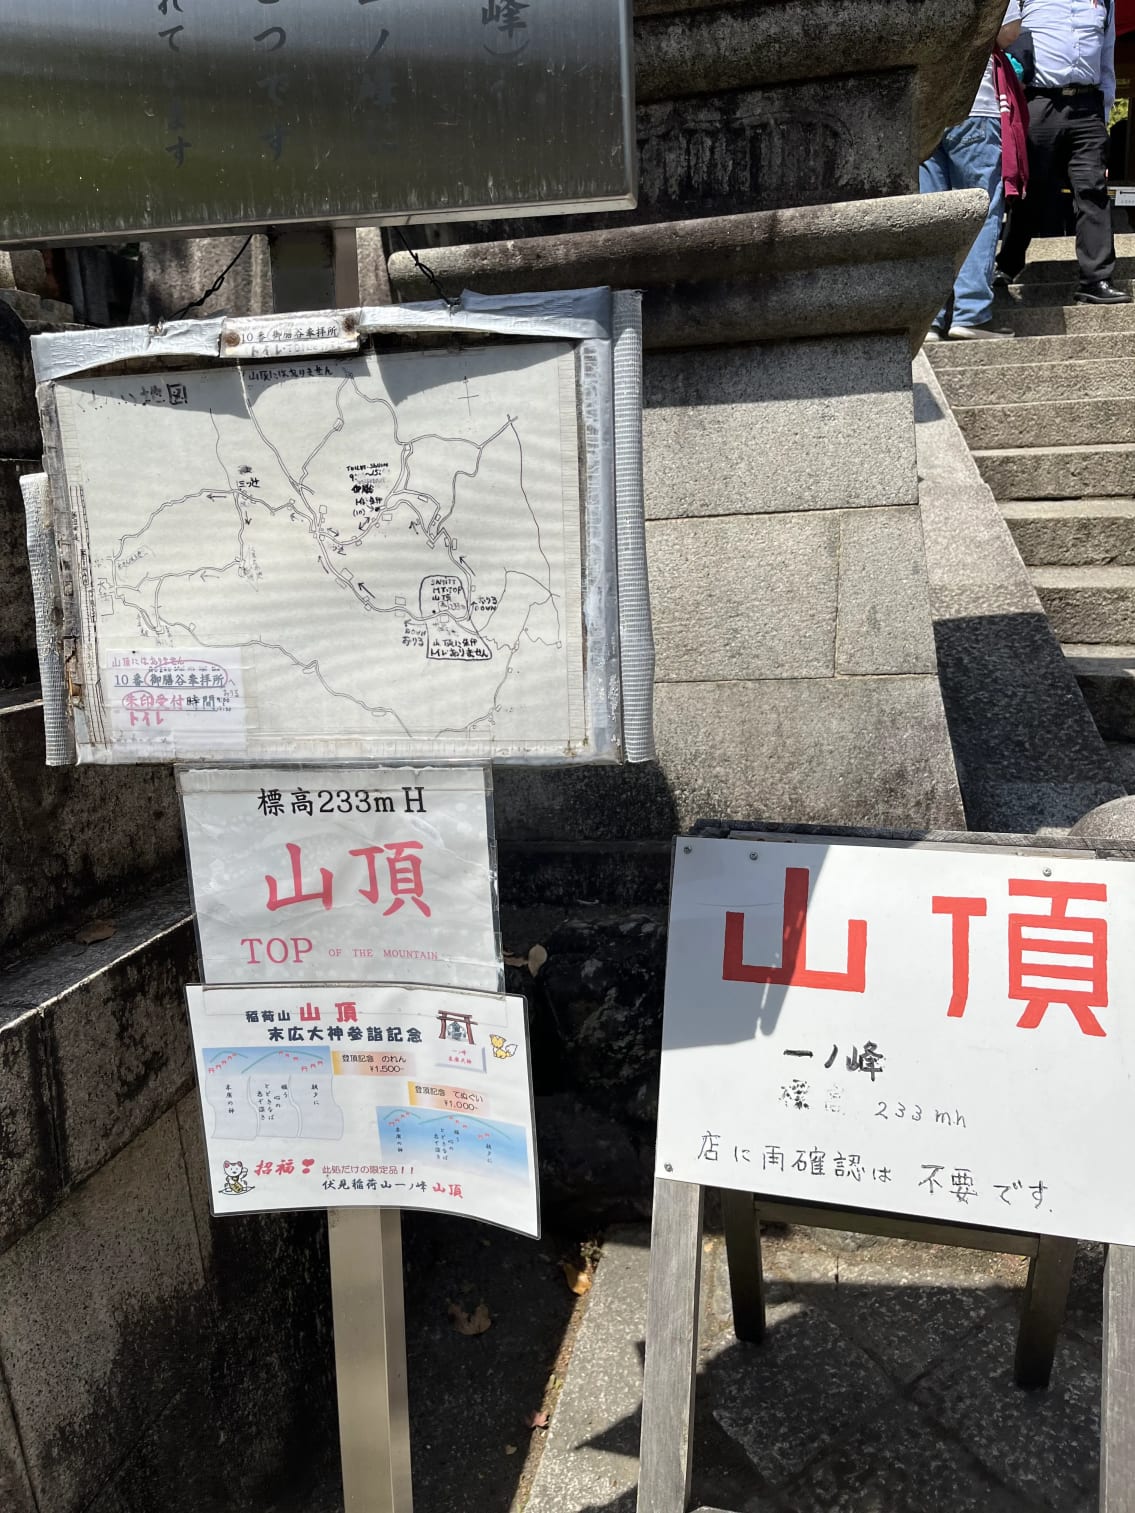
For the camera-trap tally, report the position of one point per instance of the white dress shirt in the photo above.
(1074, 42)
(987, 103)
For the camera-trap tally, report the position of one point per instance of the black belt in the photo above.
(1057, 91)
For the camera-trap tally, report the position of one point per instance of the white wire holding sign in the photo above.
(941, 1034)
(422, 555)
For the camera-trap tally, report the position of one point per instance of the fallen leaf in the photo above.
(510, 1449)
(98, 929)
(537, 1421)
(470, 1323)
(579, 1281)
(536, 959)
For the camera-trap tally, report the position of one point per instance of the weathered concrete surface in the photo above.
(807, 142)
(24, 270)
(748, 596)
(30, 1176)
(1065, 320)
(1106, 675)
(19, 421)
(955, 357)
(72, 838)
(1028, 754)
(88, 1303)
(818, 425)
(172, 273)
(1061, 423)
(1089, 604)
(902, 228)
(16, 1494)
(18, 663)
(757, 748)
(1040, 382)
(740, 45)
(1052, 260)
(885, 1382)
(1073, 532)
(94, 1048)
(1110, 822)
(1044, 472)
(883, 632)
(881, 740)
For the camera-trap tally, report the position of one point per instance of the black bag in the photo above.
(1025, 54)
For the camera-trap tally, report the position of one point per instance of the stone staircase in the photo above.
(1050, 420)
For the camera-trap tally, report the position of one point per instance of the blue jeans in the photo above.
(969, 157)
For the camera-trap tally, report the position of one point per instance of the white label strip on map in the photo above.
(297, 335)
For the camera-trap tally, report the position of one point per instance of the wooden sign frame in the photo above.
(673, 1306)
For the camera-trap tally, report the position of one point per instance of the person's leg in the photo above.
(1087, 158)
(1044, 185)
(976, 164)
(934, 178)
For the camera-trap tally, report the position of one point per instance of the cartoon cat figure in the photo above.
(236, 1179)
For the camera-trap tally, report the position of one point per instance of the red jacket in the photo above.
(1014, 127)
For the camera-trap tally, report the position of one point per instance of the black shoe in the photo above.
(1101, 293)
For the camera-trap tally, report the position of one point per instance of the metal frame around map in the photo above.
(604, 326)
(673, 1303)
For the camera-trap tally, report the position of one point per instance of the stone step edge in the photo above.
(1033, 367)
(1100, 661)
(1121, 507)
(1066, 406)
(26, 971)
(1083, 449)
(1106, 576)
(946, 357)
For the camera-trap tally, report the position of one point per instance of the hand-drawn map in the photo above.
(366, 556)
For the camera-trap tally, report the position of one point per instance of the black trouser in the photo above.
(1067, 141)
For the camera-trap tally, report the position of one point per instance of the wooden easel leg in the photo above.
(1117, 1436)
(1046, 1298)
(746, 1271)
(666, 1455)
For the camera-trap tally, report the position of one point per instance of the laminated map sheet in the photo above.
(376, 556)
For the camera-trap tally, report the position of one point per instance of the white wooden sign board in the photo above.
(947, 1035)
(375, 874)
(323, 1095)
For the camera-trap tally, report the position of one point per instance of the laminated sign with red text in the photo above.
(375, 874)
(333, 1096)
(943, 1034)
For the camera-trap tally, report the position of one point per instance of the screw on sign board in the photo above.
(934, 1033)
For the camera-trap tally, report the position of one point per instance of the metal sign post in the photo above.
(370, 1359)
